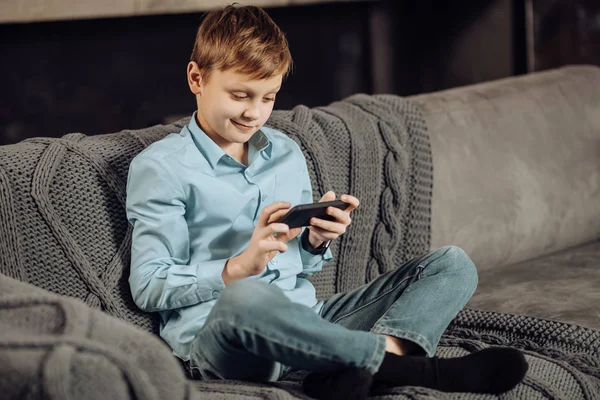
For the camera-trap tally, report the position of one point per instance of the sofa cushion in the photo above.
(562, 286)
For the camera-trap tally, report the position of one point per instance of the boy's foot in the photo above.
(491, 370)
(347, 384)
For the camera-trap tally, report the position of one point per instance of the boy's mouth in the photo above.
(242, 126)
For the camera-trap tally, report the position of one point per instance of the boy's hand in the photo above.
(268, 238)
(292, 233)
(322, 230)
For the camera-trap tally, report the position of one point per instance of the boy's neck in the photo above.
(240, 153)
(243, 156)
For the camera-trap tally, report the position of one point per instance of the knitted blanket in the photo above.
(63, 229)
(377, 149)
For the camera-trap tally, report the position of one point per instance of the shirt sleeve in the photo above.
(311, 263)
(161, 278)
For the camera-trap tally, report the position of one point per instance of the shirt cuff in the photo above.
(312, 261)
(305, 243)
(210, 280)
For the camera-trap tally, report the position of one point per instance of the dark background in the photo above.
(104, 75)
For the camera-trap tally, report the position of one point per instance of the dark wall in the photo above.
(98, 76)
(104, 75)
(435, 45)
(93, 75)
(565, 32)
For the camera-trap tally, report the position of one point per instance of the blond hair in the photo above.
(243, 38)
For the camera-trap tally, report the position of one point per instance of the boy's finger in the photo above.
(340, 215)
(353, 201)
(290, 235)
(277, 214)
(277, 228)
(329, 226)
(275, 245)
(329, 196)
(324, 233)
(263, 219)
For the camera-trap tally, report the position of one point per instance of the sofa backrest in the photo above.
(62, 218)
(62, 200)
(516, 164)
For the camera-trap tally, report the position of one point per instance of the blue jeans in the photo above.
(255, 333)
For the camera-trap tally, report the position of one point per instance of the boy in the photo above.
(230, 282)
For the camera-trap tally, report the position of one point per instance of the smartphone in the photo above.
(301, 214)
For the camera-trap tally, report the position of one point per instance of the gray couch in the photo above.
(517, 186)
(515, 181)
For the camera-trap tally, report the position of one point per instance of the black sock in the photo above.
(491, 370)
(347, 384)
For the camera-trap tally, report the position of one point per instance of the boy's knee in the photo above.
(459, 262)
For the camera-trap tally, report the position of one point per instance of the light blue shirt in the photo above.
(192, 207)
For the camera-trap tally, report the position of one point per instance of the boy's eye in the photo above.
(269, 99)
(239, 98)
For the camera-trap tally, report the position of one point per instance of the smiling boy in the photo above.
(230, 282)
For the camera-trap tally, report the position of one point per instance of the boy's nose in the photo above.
(251, 114)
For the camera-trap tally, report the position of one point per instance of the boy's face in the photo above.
(232, 106)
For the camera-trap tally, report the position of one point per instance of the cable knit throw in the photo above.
(377, 149)
(64, 230)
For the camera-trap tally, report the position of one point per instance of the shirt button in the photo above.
(216, 293)
(264, 197)
(274, 261)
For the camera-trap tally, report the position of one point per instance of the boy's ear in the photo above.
(194, 77)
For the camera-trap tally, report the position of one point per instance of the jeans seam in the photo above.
(380, 345)
(374, 300)
(418, 273)
(383, 315)
(215, 322)
(423, 266)
(193, 365)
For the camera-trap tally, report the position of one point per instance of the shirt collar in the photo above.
(213, 153)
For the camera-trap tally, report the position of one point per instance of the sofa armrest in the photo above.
(57, 347)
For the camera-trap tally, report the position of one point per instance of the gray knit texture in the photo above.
(65, 248)
(56, 348)
(377, 149)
